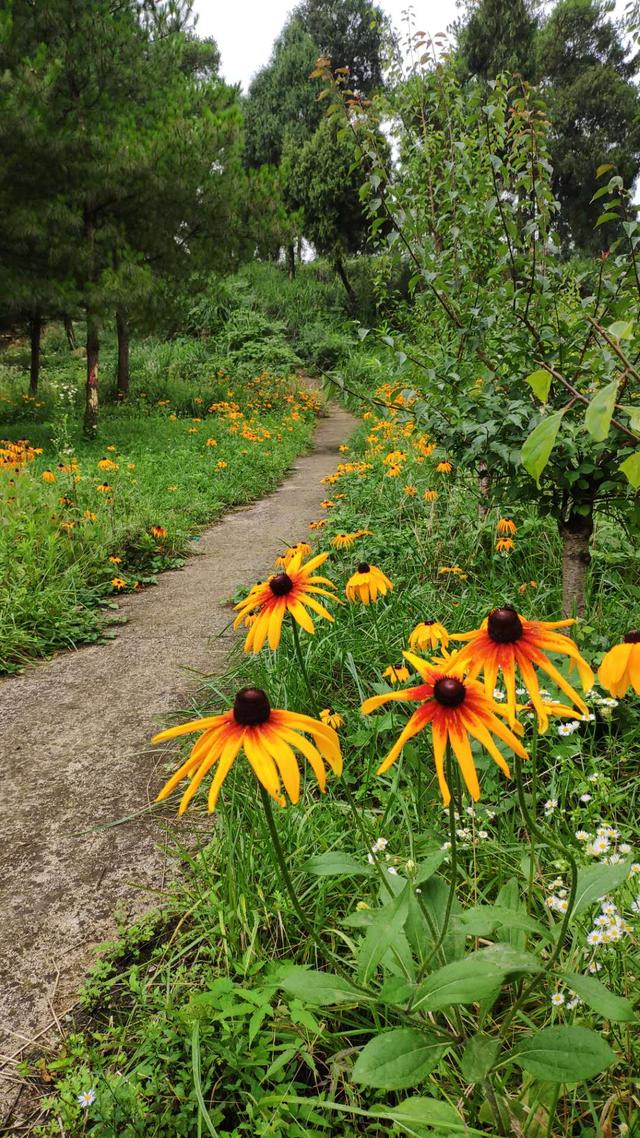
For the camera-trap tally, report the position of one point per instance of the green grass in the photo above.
(196, 1027)
(56, 539)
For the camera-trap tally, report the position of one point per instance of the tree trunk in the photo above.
(576, 533)
(123, 355)
(71, 336)
(484, 489)
(291, 261)
(340, 269)
(35, 328)
(93, 351)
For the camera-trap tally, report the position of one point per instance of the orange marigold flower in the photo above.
(367, 584)
(620, 669)
(444, 468)
(506, 526)
(428, 634)
(48, 476)
(292, 592)
(118, 583)
(505, 545)
(269, 738)
(456, 709)
(430, 495)
(507, 641)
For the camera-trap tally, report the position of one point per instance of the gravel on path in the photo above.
(74, 739)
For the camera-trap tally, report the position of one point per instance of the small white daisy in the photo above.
(583, 835)
(557, 999)
(585, 797)
(86, 1098)
(379, 844)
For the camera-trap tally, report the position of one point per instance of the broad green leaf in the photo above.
(381, 934)
(539, 382)
(473, 978)
(397, 1059)
(337, 864)
(320, 989)
(633, 411)
(564, 1054)
(598, 417)
(605, 217)
(428, 867)
(481, 920)
(631, 468)
(596, 881)
(420, 1115)
(603, 169)
(478, 1057)
(396, 990)
(604, 1002)
(538, 446)
(621, 329)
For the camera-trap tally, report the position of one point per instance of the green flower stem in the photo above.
(303, 668)
(453, 874)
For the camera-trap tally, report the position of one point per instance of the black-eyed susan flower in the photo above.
(444, 468)
(331, 718)
(367, 584)
(397, 673)
(48, 476)
(506, 527)
(346, 540)
(319, 524)
(118, 583)
(269, 738)
(527, 585)
(505, 545)
(410, 490)
(327, 504)
(428, 635)
(104, 488)
(158, 531)
(302, 547)
(508, 642)
(115, 560)
(620, 669)
(430, 495)
(456, 708)
(293, 591)
(89, 516)
(107, 464)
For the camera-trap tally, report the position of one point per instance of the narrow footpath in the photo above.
(74, 739)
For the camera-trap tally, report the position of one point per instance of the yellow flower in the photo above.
(221, 465)
(397, 673)
(89, 515)
(107, 464)
(302, 547)
(428, 634)
(115, 560)
(394, 471)
(505, 545)
(527, 585)
(456, 709)
(331, 718)
(367, 584)
(444, 468)
(345, 540)
(158, 531)
(104, 488)
(410, 490)
(506, 526)
(212, 442)
(327, 504)
(292, 592)
(112, 448)
(118, 583)
(319, 524)
(48, 476)
(620, 668)
(430, 495)
(269, 739)
(455, 569)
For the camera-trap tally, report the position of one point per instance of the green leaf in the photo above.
(631, 468)
(473, 978)
(397, 1059)
(478, 1057)
(598, 417)
(540, 382)
(428, 867)
(633, 411)
(621, 329)
(604, 1002)
(538, 446)
(605, 217)
(337, 864)
(603, 169)
(481, 920)
(381, 934)
(564, 1054)
(596, 881)
(320, 989)
(420, 1114)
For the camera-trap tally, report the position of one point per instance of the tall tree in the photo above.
(496, 36)
(594, 107)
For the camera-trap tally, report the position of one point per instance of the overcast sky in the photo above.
(245, 29)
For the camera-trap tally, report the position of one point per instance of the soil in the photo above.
(76, 758)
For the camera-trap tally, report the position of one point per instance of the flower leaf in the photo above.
(397, 1059)
(564, 1054)
(604, 1002)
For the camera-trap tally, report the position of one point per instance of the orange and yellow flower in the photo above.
(428, 634)
(505, 545)
(293, 591)
(430, 495)
(456, 708)
(302, 547)
(119, 583)
(331, 718)
(48, 476)
(367, 584)
(269, 738)
(444, 468)
(345, 540)
(507, 642)
(397, 673)
(158, 531)
(506, 527)
(620, 669)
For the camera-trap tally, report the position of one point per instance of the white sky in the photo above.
(245, 29)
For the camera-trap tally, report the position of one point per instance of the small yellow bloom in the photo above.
(319, 524)
(331, 718)
(345, 540)
(410, 490)
(302, 547)
(48, 476)
(115, 560)
(367, 584)
(212, 442)
(221, 464)
(428, 634)
(112, 448)
(104, 488)
(107, 464)
(118, 583)
(444, 468)
(505, 545)
(397, 673)
(506, 527)
(430, 495)
(327, 504)
(527, 585)
(620, 668)
(158, 531)
(89, 515)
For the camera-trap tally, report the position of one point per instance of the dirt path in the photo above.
(75, 753)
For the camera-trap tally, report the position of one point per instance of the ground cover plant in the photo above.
(84, 521)
(369, 960)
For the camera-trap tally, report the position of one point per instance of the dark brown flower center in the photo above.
(504, 625)
(449, 691)
(632, 637)
(251, 707)
(364, 567)
(281, 584)
(428, 622)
